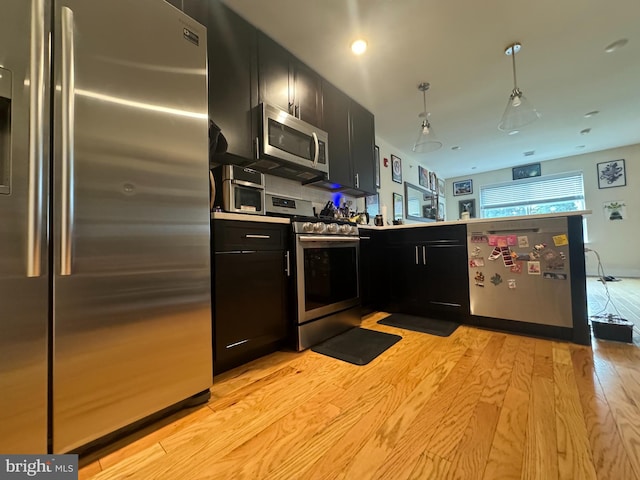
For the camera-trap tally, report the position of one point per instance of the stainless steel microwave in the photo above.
(294, 142)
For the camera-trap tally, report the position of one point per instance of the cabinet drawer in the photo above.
(231, 235)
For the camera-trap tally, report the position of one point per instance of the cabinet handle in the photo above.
(252, 235)
(357, 180)
(424, 255)
(288, 263)
(297, 111)
(291, 109)
(416, 255)
(257, 142)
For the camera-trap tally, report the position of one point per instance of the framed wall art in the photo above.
(463, 187)
(526, 171)
(397, 206)
(423, 177)
(611, 174)
(467, 206)
(396, 169)
(376, 150)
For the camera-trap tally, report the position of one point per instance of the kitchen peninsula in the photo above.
(520, 274)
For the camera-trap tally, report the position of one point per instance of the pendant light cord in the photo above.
(513, 59)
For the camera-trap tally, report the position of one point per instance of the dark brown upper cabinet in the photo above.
(287, 83)
(351, 132)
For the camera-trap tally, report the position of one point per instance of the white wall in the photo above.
(387, 186)
(617, 242)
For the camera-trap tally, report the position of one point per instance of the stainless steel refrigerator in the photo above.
(104, 220)
(520, 270)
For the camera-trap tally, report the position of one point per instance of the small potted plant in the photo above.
(614, 209)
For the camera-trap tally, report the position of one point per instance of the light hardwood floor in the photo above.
(475, 405)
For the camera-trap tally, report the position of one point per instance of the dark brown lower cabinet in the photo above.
(249, 282)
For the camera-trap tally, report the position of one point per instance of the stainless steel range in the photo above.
(326, 251)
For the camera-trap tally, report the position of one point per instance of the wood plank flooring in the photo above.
(475, 405)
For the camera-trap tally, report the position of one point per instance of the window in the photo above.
(549, 194)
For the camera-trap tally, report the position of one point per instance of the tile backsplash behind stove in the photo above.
(291, 188)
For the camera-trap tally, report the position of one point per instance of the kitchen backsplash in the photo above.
(292, 188)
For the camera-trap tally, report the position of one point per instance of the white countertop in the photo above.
(245, 217)
(476, 220)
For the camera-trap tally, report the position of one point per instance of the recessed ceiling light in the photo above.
(359, 46)
(514, 132)
(592, 113)
(585, 131)
(529, 153)
(579, 147)
(455, 147)
(612, 47)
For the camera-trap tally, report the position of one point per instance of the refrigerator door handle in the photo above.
(424, 255)
(417, 261)
(68, 118)
(36, 141)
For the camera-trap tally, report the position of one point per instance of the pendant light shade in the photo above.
(427, 141)
(519, 111)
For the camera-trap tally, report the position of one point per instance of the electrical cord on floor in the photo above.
(603, 278)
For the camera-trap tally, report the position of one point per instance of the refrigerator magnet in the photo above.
(479, 279)
(495, 254)
(560, 240)
(523, 241)
(479, 238)
(512, 240)
(516, 267)
(476, 262)
(492, 240)
(533, 268)
(512, 283)
(476, 252)
(496, 279)
(502, 241)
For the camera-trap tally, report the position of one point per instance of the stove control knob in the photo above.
(319, 227)
(307, 226)
(344, 228)
(332, 228)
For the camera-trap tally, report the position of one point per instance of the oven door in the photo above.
(326, 275)
(242, 197)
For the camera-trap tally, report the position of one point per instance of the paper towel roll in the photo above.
(383, 210)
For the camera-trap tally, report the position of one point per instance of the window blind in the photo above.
(550, 188)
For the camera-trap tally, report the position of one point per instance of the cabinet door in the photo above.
(250, 306)
(307, 94)
(362, 148)
(336, 124)
(232, 56)
(273, 74)
(446, 280)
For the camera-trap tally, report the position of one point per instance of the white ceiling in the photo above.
(458, 46)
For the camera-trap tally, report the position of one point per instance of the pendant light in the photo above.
(426, 142)
(519, 111)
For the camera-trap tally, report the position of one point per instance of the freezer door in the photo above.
(23, 234)
(540, 292)
(132, 307)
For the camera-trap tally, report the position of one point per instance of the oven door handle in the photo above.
(246, 184)
(327, 238)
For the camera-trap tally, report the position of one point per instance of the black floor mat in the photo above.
(442, 328)
(358, 345)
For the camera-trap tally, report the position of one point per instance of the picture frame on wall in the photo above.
(612, 174)
(372, 205)
(396, 169)
(376, 152)
(423, 176)
(441, 187)
(463, 187)
(468, 205)
(526, 171)
(397, 206)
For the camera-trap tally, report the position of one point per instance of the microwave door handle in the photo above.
(317, 149)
